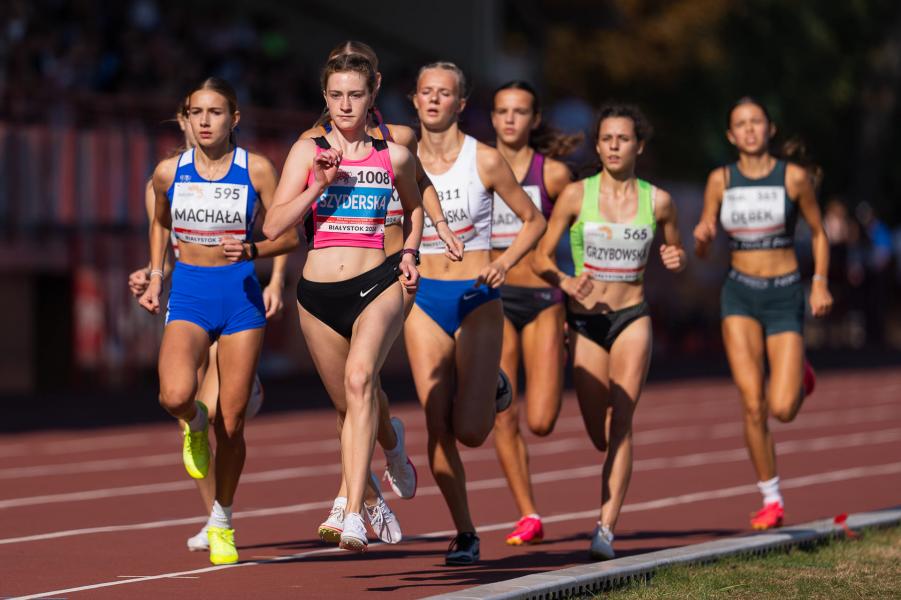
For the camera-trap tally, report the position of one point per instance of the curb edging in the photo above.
(597, 577)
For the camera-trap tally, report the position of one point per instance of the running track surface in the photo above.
(105, 513)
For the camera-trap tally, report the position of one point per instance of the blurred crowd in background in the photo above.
(88, 90)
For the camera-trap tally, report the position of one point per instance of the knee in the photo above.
(783, 411)
(176, 399)
(230, 429)
(507, 422)
(542, 426)
(468, 436)
(358, 382)
(755, 414)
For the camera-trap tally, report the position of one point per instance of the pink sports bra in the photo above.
(352, 210)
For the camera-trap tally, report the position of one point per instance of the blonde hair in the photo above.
(462, 89)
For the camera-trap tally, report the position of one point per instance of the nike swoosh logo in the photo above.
(363, 294)
(470, 295)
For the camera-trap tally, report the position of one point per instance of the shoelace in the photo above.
(337, 513)
(377, 515)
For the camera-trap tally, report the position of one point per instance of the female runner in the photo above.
(350, 302)
(207, 197)
(399, 470)
(455, 329)
(612, 217)
(208, 374)
(533, 310)
(757, 201)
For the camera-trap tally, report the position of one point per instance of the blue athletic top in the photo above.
(205, 211)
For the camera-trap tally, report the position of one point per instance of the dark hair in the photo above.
(462, 88)
(643, 129)
(795, 150)
(343, 63)
(545, 139)
(741, 102)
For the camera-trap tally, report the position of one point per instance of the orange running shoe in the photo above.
(810, 379)
(768, 517)
(528, 531)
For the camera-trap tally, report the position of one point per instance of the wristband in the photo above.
(819, 278)
(156, 272)
(412, 251)
(254, 251)
(435, 223)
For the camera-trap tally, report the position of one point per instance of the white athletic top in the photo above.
(465, 201)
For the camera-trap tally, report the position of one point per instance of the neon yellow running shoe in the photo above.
(222, 546)
(195, 452)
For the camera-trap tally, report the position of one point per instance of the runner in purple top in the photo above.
(533, 311)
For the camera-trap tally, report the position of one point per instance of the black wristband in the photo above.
(254, 251)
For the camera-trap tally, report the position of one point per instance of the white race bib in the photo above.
(616, 251)
(395, 214)
(505, 225)
(205, 212)
(455, 205)
(755, 212)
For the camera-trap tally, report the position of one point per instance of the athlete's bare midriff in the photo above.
(200, 255)
(394, 238)
(437, 266)
(607, 296)
(765, 263)
(522, 274)
(340, 263)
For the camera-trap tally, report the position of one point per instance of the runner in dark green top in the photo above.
(757, 201)
(612, 218)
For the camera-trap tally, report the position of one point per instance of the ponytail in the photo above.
(795, 150)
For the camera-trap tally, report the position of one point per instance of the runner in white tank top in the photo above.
(454, 338)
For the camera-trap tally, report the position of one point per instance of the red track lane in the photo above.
(109, 510)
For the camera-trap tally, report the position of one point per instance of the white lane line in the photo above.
(583, 472)
(481, 454)
(717, 494)
(536, 447)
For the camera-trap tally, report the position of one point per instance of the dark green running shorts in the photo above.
(777, 303)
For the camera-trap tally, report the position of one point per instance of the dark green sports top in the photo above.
(757, 214)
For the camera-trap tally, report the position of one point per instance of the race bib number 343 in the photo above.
(750, 213)
(204, 212)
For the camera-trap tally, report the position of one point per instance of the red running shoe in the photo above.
(528, 531)
(768, 517)
(810, 379)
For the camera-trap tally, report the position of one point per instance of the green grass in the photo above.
(866, 567)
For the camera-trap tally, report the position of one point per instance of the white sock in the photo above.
(770, 490)
(534, 516)
(220, 516)
(200, 421)
(340, 501)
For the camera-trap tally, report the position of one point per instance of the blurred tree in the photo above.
(828, 71)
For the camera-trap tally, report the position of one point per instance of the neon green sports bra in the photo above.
(612, 251)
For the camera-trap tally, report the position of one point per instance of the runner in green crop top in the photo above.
(612, 218)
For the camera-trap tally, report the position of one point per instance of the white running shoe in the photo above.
(330, 529)
(400, 473)
(602, 543)
(382, 519)
(256, 398)
(353, 537)
(199, 542)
